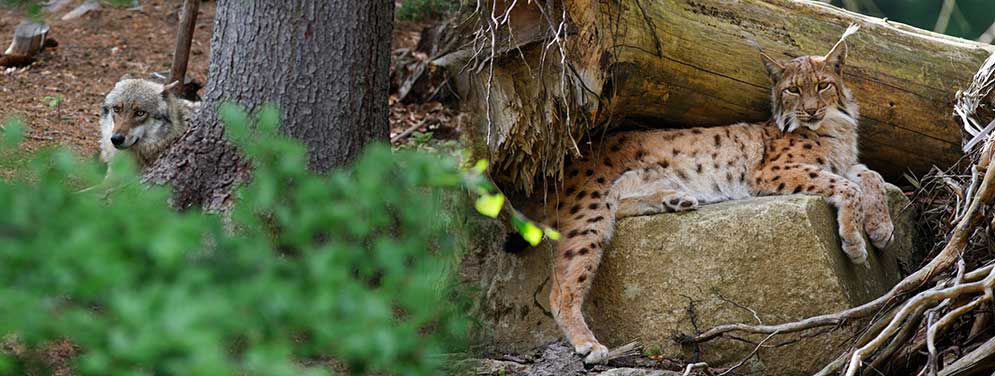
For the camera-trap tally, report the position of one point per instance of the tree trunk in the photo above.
(325, 63)
(681, 63)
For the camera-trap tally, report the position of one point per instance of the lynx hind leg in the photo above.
(577, 257)
(646, 192)
(656, 203)
(877, 220)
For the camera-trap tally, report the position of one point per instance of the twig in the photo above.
(408, 131)
(988, 35)
(752, 353)
(626, 350)
(918, 301)
(868, 334)
(945, 322)
(730, 301)
(943, 19)
(931, 318)
(900, 340)
(694, 366)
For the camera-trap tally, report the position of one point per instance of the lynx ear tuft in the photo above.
(837, 56)
(774, 69)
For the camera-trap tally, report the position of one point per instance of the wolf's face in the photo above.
(134, 113)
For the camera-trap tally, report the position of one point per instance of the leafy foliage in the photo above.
(355, 265)
(421, 9)
(34, 9)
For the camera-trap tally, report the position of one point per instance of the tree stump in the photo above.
(29, 41)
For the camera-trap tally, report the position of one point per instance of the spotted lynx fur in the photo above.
(809, 146)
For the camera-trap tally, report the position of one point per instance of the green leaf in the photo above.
(481, 166)
(13, 132)
(236, 122)
(531, 233)
(551, 233)
(490, 205)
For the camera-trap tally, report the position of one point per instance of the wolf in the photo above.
(144, 117)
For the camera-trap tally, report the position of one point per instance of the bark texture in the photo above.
(681, 63)
(324, 63)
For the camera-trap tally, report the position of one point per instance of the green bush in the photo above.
(356, 265)
(421, 9)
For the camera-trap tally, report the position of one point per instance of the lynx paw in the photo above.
(596, 352)
(681, 202)
(881, 233)
(857, 251)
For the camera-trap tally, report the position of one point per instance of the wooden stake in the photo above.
(184, 38)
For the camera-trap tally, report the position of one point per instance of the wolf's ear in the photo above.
(127, 76)
(774, 69)
(837, 56)
(167, 90)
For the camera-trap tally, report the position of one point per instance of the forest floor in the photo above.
(94, 51)
(59, 95)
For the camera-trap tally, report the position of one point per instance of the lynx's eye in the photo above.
(140, 113)
(792, 90)
(824, 85)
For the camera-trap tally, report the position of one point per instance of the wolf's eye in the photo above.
(140, 113)
(117, 109)
(792, 90)
(824, 85)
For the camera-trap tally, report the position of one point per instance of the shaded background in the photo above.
(969, 19)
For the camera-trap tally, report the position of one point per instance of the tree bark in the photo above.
(325, 63)
(682, 63)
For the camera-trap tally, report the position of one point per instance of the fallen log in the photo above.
(547, 79)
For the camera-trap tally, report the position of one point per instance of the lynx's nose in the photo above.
(117, 139)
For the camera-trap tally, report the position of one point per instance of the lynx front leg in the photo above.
(877, 220)
(656, 203)
(838, 191)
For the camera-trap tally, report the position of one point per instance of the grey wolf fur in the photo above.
(143, 117)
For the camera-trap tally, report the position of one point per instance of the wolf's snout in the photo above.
(117, 139)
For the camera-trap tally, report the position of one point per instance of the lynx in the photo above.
(809, 146)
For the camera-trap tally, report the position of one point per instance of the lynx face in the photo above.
(809, 90)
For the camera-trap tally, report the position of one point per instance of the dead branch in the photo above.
(897, 343)
(752, 353)
(988, 35)
(694, 366)
(626, 350)
(944, 18)
(913, 304)
(184, 38)
(968, 364)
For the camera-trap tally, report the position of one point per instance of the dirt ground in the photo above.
(97, 49)
(94, 51)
